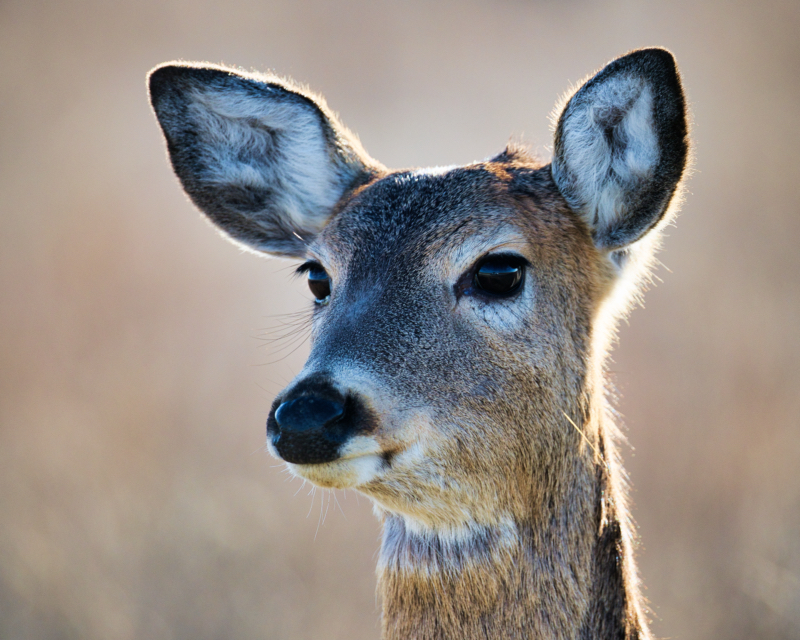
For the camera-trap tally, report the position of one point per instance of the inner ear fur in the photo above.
(265, 160)
(621, 146)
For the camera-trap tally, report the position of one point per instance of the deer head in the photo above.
(461, 314)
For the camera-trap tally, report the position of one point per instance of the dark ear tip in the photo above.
(659, 54)
(163, 79)
(654, 59)
(168, 77)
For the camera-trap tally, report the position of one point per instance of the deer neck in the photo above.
(565, 573)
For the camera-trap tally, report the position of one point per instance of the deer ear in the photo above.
(621, 146)
(264, 160)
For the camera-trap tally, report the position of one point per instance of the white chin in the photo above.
(340, 474)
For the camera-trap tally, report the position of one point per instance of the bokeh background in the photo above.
(136, 500)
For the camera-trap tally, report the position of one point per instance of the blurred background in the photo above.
(136, 500)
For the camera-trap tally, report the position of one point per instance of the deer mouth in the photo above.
(349, 471)
(362, 460)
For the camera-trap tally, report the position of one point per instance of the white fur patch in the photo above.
(411, 547)
(505, 239)
(432, 171)
(499, 315)
(340, 474)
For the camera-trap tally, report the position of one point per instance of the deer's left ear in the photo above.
(621, 146)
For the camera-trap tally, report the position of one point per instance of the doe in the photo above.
(459, 332)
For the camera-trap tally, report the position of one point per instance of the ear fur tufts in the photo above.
(621, 146)
(265, 160)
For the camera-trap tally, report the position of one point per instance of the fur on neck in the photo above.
(565, 571)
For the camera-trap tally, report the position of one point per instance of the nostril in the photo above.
(307, 413)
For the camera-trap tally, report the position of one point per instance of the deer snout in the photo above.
(312, 423)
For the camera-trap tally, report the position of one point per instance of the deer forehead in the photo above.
(436, 223)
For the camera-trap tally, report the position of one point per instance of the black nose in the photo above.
(309, 428)
(311, 422)
(308, 413)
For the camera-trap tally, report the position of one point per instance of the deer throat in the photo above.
(555, 577)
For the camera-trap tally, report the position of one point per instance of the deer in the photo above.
(460, 328)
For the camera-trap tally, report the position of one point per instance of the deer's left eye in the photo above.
(500, 275)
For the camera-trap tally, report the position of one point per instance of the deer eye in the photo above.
(318, 282)
(500, 275)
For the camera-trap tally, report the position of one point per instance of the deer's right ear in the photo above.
(264, 160)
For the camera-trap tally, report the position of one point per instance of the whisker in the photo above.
(287, 355)
(313, 494)
(320, 519)
(336, 500)
(583, 435)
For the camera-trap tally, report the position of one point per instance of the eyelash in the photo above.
(306, 267)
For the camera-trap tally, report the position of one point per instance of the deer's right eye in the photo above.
(319, 282)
